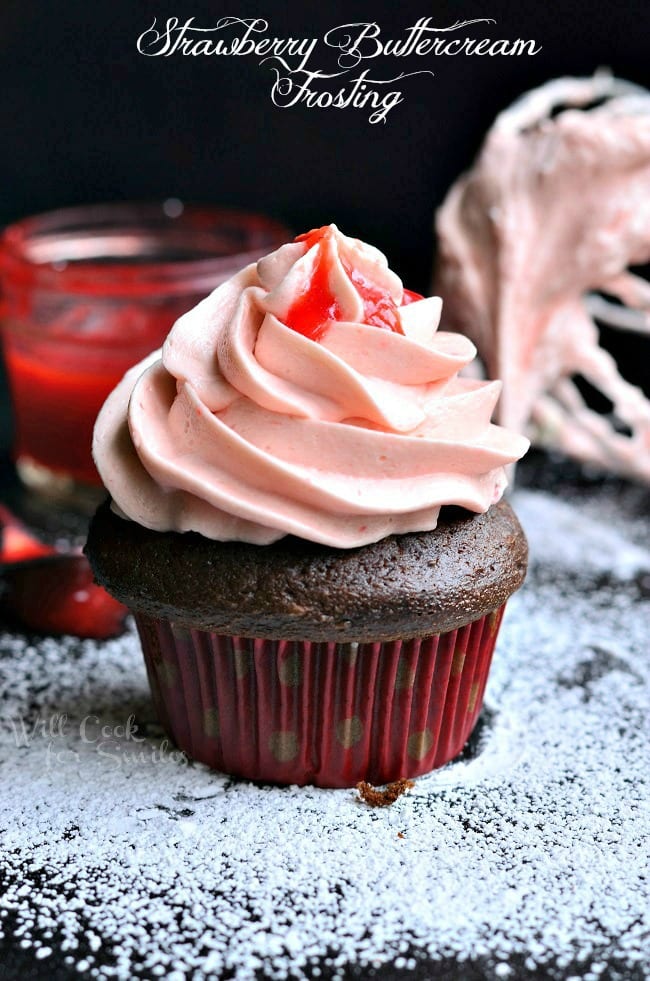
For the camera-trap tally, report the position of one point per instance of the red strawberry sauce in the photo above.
(311, 311)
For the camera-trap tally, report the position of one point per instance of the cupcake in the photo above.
(305, 518)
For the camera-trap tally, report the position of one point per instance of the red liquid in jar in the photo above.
(58, 387)
(88, 292)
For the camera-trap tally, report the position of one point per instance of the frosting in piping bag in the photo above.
(304, 396)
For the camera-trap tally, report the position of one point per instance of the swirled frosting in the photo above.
(309, 395)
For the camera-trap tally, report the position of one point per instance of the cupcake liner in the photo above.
(299, 712)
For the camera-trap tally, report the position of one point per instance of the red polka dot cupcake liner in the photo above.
(300, 712)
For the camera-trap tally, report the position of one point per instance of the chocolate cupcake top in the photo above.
(400, 587)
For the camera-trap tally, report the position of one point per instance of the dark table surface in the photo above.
(525, 858)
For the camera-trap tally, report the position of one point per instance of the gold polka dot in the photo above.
(493, 620)
(458, 661)
(283, 745)
(419, 744)
(350, 652)
(242, 660)
(167, 674)
(290, 670)
(211, 723)
(349, 731)
(473, 695)
(405, 675)
(181, 633)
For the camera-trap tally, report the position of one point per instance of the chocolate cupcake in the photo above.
(307, 612)
(303, 663)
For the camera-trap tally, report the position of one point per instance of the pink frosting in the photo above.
(241, 428)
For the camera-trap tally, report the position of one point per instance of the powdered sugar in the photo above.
(125, 859)
(600, 546)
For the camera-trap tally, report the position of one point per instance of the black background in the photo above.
(86, 118)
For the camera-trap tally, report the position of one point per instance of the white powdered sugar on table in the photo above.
(121, 859)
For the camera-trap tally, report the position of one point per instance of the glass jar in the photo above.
(88, 292)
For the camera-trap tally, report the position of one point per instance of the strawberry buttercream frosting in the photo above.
(308, 395)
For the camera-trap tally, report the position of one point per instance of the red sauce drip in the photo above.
(310, 312)
(314, 236)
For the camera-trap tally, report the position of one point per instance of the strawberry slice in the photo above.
(52, 592)
(56, 595)
(16, 542)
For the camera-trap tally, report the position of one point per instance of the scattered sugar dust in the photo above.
(122, 859)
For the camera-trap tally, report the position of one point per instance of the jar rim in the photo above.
(133, 248)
